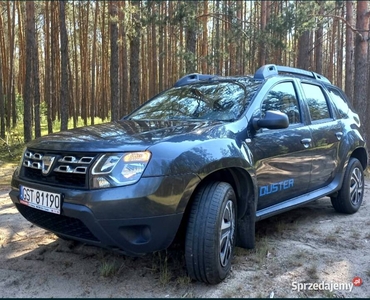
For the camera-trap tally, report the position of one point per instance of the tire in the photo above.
(349, 197)
(211, 233)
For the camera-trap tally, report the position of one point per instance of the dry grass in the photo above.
(338, 229)
(312, 273)
(160, 266)
(298, 259)
(331, 239)
(108, 269)
(262, 250)
(355, 234)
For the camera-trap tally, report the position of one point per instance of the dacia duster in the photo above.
(213, 154)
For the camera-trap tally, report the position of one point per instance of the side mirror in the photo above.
(272, 120)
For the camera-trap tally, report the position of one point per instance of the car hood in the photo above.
(125, 135)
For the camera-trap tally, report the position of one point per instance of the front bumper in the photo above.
(135, 219)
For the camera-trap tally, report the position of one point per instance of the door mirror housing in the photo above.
(273, 120)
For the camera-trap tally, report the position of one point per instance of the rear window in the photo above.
(340, 102)
(316, 101)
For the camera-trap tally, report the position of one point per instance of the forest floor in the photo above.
(312, 247)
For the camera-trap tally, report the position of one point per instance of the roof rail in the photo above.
(265, 71)
(269, 70)
(191, 78)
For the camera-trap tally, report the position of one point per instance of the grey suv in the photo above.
(211, 155)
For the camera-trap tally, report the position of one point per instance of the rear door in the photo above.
(326, 133)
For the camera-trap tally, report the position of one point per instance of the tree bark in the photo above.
(204, 55)
(2, 108)
(135, 58)
(262, 52)
(64, 90)
(348, 85)
(47, 79)
(113, 11)
(318, 44)
(153, 82)
(124, 78)
(55, 79)
(93, 63)
(36, 87)
(360, 76)
(303, 60)
(191, 38)
(28, 90)
(10, 88)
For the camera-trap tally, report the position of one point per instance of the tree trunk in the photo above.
(77, 79)
(10, 88)
(28, 94)
(153, 82)
(47, 80)
(318, 43)
(64, 91)
(93, 63)
(340, 35)
(262, 52)
(2, 108)
(36, 87)
(331, 50)
(204, 55)
(303, 60)
(55, 109)
(124, 84)
(161, 47)
(191, 38)
(135, 58)
(361, 78)
(22, 48)
(349, 51)
(113, 11)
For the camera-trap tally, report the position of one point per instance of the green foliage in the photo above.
(14, 137)
(133, 25)
(10, 154)
(19, 106)
(108, 269)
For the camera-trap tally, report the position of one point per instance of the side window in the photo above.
(316, 102)
(282, 97)
(340, 102)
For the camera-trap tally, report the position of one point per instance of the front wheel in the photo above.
(349, 197)
(210, 236)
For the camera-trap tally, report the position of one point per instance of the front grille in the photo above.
(57, 223)
(63, 169)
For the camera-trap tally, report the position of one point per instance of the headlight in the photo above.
(117, 169)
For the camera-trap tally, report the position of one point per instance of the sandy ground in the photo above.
(308, 252)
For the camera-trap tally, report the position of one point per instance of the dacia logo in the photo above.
(47, 163)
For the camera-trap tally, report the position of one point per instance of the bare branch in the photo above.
(354, 29)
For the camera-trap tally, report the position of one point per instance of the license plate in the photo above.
(46, 201)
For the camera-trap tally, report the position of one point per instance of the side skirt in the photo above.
(270, 211)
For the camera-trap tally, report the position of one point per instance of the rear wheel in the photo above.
(210, 236)
(349, 197)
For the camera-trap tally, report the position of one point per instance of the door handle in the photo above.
(306, 142)
(339, 135)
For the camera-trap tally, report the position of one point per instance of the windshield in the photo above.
(224, 101)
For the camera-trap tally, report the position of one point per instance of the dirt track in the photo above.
(312, 244)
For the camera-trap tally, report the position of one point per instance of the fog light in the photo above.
(100, 182)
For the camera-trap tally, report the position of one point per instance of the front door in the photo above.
(283, 162)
